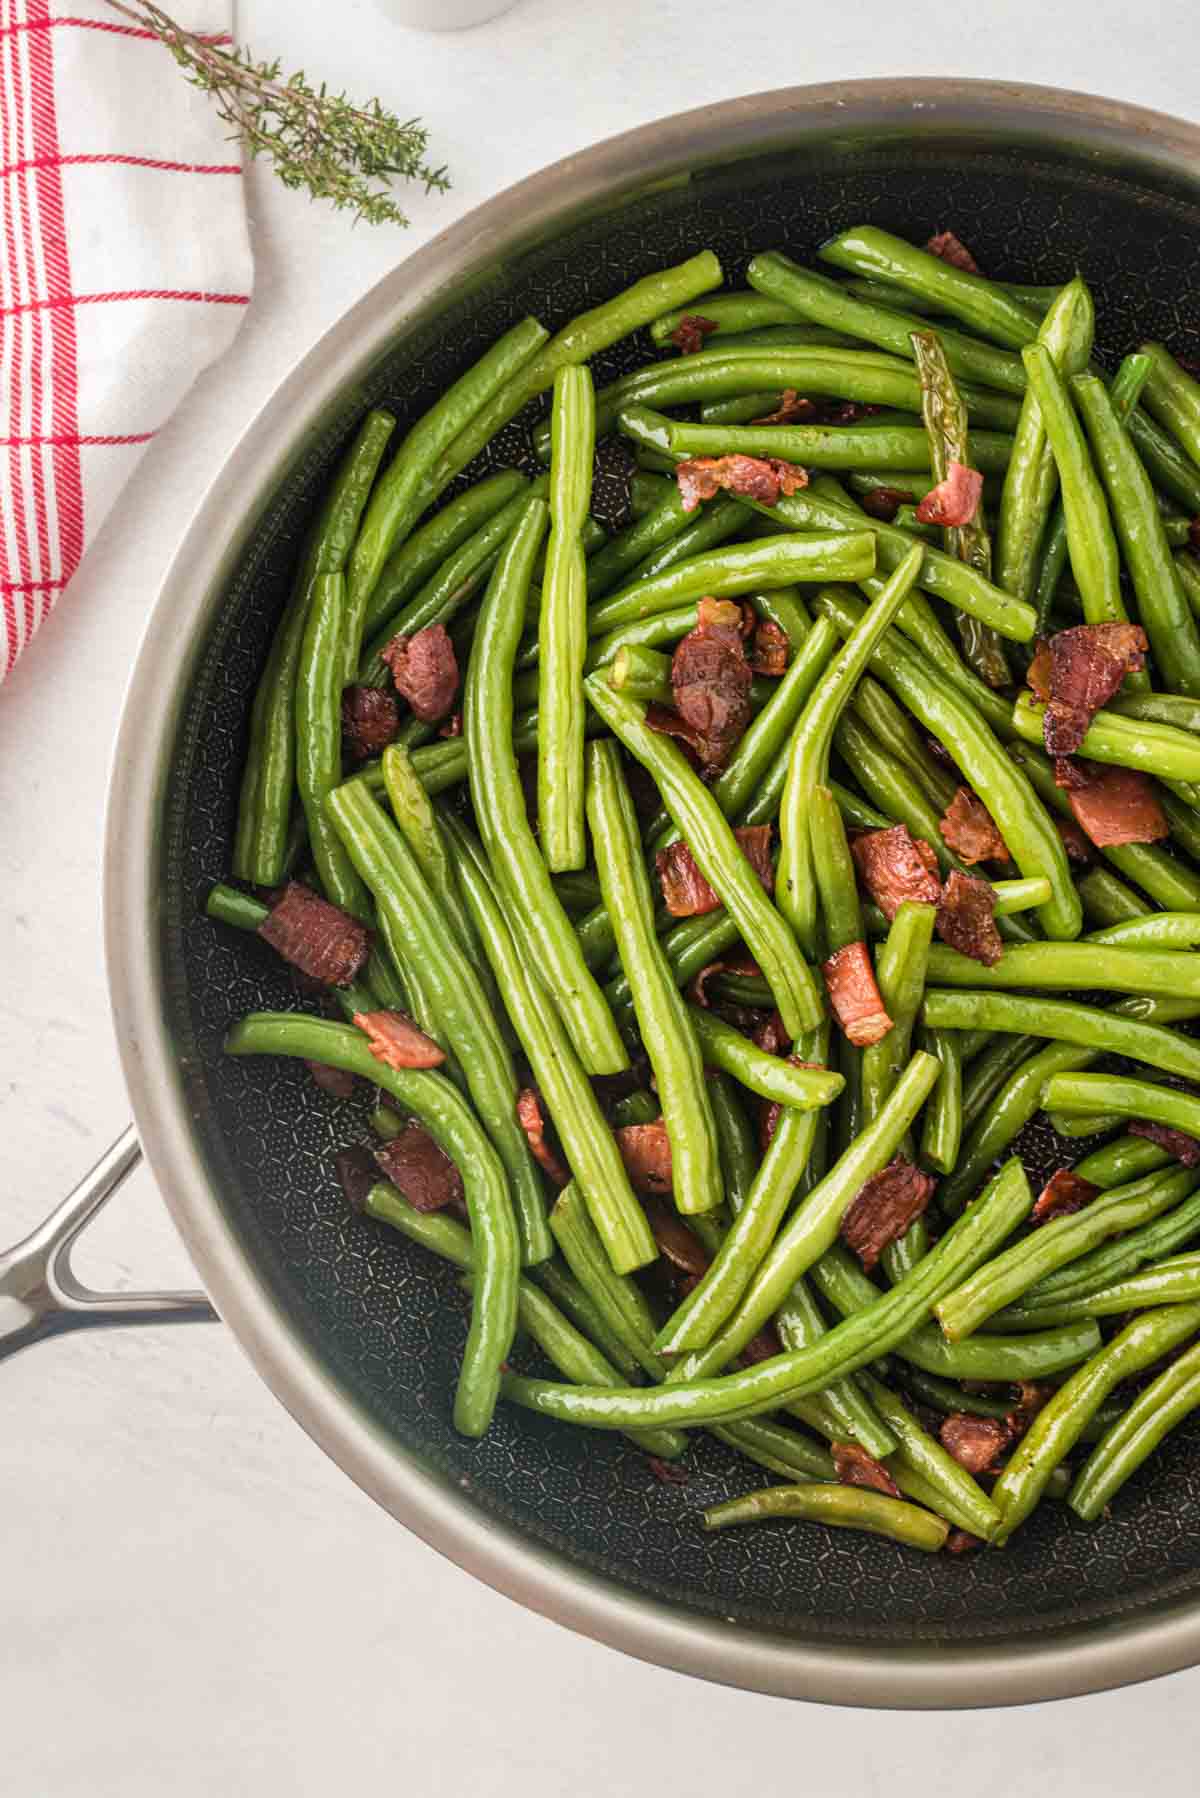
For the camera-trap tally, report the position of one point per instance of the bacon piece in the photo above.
(884, 502)
(954, 501)
(667, 1473)
(1184, 1148)
(763, 1347)
(674, 1239)
(1074, 842)
(895, 867)
(334, 1081)
(711, 679)
(890, 1201)
(847, 412)
(452, 726)
(395, 1040)
(1077, 672)
(951, 249)
(966, 918)
(320, 939)
(790, 410)
(975, 1442)
(1116, 805)
(855, 997)
(962, 1542)
(771, 648)
(1194, 535)
(686, 893)
(771, 1035)
(970, 831)
(855, 1467)
(668, 723)
(415, 1164)
(370, 720)
(357, 1172)
(689, 334)
(529, 1116)
(425, 670)
(697, 990)
(1031, 1396)
(646, 1152)
(762, 478)
(1063, 1194)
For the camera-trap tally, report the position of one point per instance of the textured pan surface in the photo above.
(381, 1317)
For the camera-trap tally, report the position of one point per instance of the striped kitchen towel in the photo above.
(125, 269)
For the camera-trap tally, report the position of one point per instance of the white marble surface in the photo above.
(192, 1600)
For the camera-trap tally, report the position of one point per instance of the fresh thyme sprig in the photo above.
(316, 140)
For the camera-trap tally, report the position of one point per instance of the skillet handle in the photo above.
(40, 1295)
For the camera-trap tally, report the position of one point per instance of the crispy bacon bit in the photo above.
(970, 831)
(950, 249)
(771, 648)
(790, 410)
(689, 334)
(1077, 672)
(884, 502)
(452, 726)
(855, 1467)
(966, 918)
(370, 720)
(529, 1116)
(762, 478)
(334, 1081)
(415, 1164)
(320, 939)
(667, 1473)
(975, 1442)
(890, 1201)
(847, 412)
(646, 1152)
(1184, 1148)
(357, 1173)
(763, 1347)
(1074, 842)
(1194, 535)
(668, 723)
(1116, 805)
(738, 964)
(675, 1240)
(771, 1035)
(686, 893)
(395, 1040)
(1063, 1194)
(855, 997)
(711, 679)
(1031, 1395)
(962, 1542)
(955, 500)
(895, 867)
(425, 670)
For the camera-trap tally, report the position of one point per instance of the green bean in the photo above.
(1161, 749)
(1063, 1021)
(420, 556)
(418, 822)
(1007, 1113)
(1032, 841)
(386, 1121)
(1091, 543)
(846, 1347)
(1056, 1428)
(809, 754)
(663, 524)
(549, 942)
(1002, 1281)
(852, 1416)
(588, 1144)
(827, 303)
(754, 796)
(617, 1296)
(1124, 1098)
(1107, 900)
(1067, 966)
(1171, 468)
(577, 342)
(663, 1020)
(557, 1279)
(833, 866)
(660, 628)
(770, 1076)
(958, 1495)
(890, 784)
(735, 1140)
(1118, 1259)
(1154, 1413)
(226, 905)
(1168, 1282)
(855, 811)
(1121, 1161)
(709, 1305)
(984, 305)
(448, 589)
(812, 446)
(733, 311)
(411, 479)
(785, 607)
(446, 1115)
(642, 673)
(883, 293)
(741, 409)
(741, 568)
(1173, 396)
(319, 739)
(698, 817)
(896, 732)
(905, 519)
(942, 1129)
(779, 1450)
(1032, 479)
(1188, 570)
(562, 627)
(842, 1507)
(1159, 930)
(265, 799)
(413, 919)
(900, 974)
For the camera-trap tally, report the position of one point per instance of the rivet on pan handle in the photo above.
(40, 1295)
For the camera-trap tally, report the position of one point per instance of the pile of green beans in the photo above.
(704, 1119)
